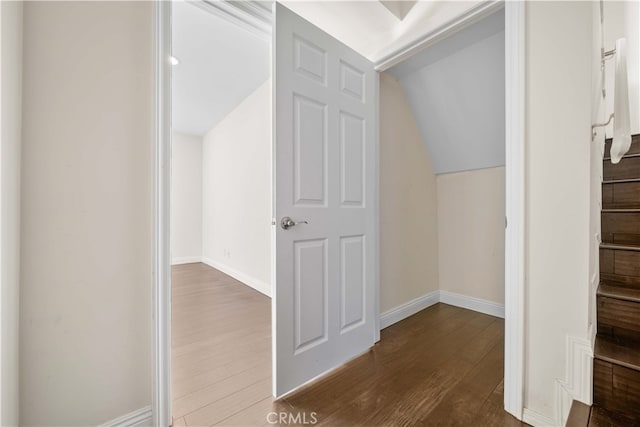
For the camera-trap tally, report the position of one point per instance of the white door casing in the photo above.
(325, 152)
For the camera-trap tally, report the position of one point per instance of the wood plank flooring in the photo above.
(440, 367)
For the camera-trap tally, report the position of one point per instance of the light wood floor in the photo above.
(440, 367)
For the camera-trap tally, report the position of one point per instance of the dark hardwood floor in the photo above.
(440, 367)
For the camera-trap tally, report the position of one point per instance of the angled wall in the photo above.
(408, 203)
(457, 93)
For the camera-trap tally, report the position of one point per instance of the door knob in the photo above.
(287, 223)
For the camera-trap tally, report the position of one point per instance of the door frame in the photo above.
(250, 15)
(161, 273)
(514, 201)
(514, 175)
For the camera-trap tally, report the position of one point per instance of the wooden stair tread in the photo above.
(617, 247)
(621, 205)
(620, 210)
(623, 355)
(620, 181)
(626, 156)
(600, 417)
(619, 292)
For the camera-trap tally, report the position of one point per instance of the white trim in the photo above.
(138, 418)
(253, 16)
(409, 308)
(577, 384)
(472, 303)
(186, 260)
(2, 284)
(252, 282)
(161, 305)
(536, 419)
(473, 15)
(376, 208)
(515, 207)
(579, 366)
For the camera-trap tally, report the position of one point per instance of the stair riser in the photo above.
(616, 388)
(619, 335)
(634, 149)
(621, 227)
(624, 195)
(619, 314)
(626, 169)
(620, 266)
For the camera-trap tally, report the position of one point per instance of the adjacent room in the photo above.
(442, 218)
(443, 113)
(220, 215)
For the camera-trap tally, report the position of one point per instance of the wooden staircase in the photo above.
(616, 366)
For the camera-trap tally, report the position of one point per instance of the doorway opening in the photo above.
(220, 218)
(310, 62)
(442, 161)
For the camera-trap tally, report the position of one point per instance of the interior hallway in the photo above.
(440, 367)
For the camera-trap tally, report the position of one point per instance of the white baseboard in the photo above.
(410, 308)
(407, 309)
(577, 384)
(252, 282)
(186, 260)
(476, 304)
(139, 418)
(579, 369)
(536, 419)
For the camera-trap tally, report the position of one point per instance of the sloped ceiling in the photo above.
(456, 91)
(220, 65)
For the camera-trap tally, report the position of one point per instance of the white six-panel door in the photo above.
(324, 162)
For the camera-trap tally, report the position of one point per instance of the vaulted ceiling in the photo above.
(456, 90)
(220, 64)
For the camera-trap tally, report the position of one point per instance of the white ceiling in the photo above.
(456, 91)
(220, 65)
(371, 29)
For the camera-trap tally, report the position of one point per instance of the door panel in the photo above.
(324, 162)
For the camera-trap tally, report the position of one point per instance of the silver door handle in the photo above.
(287, 223)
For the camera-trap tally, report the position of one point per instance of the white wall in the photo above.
(10, 152)
(85, 309)
(186, 198)
(596, 155)
(408, 196)
(558, 143)
(471, 233)
(237, 192)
